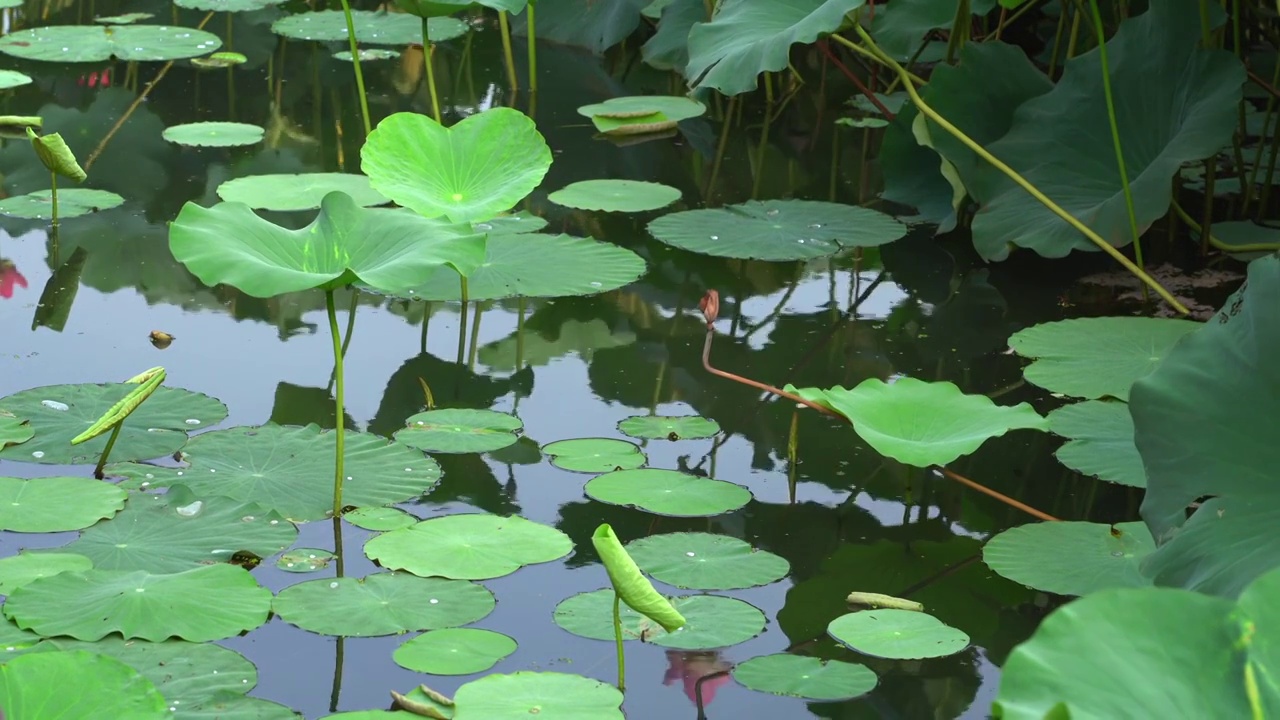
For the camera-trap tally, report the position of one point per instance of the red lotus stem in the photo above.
(888, 114)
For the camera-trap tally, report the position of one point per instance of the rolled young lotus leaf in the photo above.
(56, 156)
(147, 384)
(630, 584)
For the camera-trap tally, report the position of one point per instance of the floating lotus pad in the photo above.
(374, 28)
(460, 430)
(547, 694)
(304, 560)
(454, 651)
(36, 686)
(220, 60)
(14, 430)
(1071, 558)
(368, 54)
(524, 451)
(214, 134)
(712, 621)
(208, 603)
(778, 230)
(226, 5)
(594, 454)
(18, 570)
(1101, 441)
(95, 43)
(15, 640)
(72, 202)
(641, 114)
(12, 79)
(615, 195)
(56, 504)
(668, 492)
(468, 547)
(124, 19)
(277, 466)
(897, 634)
(386, 603)
(703, 561)
(59, 413)
(303, 191)
(669, 427)
(1096, 357)
(805, 677)
(379, 519)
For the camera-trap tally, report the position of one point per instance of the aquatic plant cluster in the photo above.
(174, 517)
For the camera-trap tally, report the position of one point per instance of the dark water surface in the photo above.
(857, 521)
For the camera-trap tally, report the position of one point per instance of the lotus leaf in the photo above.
(368, 54)
(226, 5)
(897, 634)
(72, 202)
(220, 60)
(551, 695)
(379, 519)
(667, 492)
(95, 43)
(640, 114)
(76, 684)
(454, 651)
(806, 677)
(1071, 558)
(304, 191)
(594, 454)
(630, 585)
(56, 504)
(214, 134)
(680, 427)
(460, 430)
(703, 561)
(596, 26)
(373, 28)
(615, 195)
(572, 337)
(712, 621)
(386, 603)
(668, 49)
(14, 640)
(468, 547)
(1101, 441)
(122, 19)
(14, 430)
(12, 79)
(18, 570)
(900, 30)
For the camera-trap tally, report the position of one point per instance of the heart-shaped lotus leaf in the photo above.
(96, 43)
(179, 530)
(388, 603)
(77, 684)
(897, 634)
(56, 504)
(14, 430)
(1221, 381)
(214, 134)
(712, 621)
(669, 427)
(1096, 357)
(1217, 656)
(640, 114)
(372, 27)
(745, 39)
(454, 651)
(1071, 558)
(615, 195)
(276, 466)
(59, 413)
(388, 250)
(18, 570)
(459, 430)
(777, 230)
(810, 678)
(667, 492)
(704, 561)
(72, 202)
(304, 191)
(468, 547)
(520, 695)
(922, 423)
(210, 602)
(1100, 441)
(594, 455)
(469, 172)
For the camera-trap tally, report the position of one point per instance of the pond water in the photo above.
(844, 517)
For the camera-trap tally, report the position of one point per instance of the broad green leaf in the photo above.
(433, 8)
(388, 250)
(468, 547)
(55, 155)
(897, 634)
(387, 603)
(72, 202)
(59, 413)
(900, 28)
(1100, 441)
(469, 172)
(677, 427)
(596, 26)
(303, 191)
(460, 430)
(304, 560)
(713, 621)
(922, 423)
(56, 504)
(14, 430)
(74, 685)
(630, 584)
(12, 79)
(703, 561)
(96, 43)
(454, 651)
(1096, 357)
(379, 519)
(214, 134)
(372, 27)
(1071, 558)
(745, 39)
(776, 230)
(667, 492)
(208, 603)
(146, 385)
(615, 195)
(594, 454)
(805, 677)
(1202, 425)
(18, 570)
(668, 49)
(546, 694)
(220, 60)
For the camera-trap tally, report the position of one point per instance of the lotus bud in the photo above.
(710, 306)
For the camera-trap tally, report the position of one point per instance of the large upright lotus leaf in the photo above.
(58, 413)
(1096, 357)
(1100, 441)
(372, 27)
(468, 547)
(667, 492)
(668, 49)
(468, 172)
(277, 466)
(180, 530)
(1071, 558)
(900, 28)
(596, 26)
(75, 685)
(1202, 423)
(549, 695)
(388, 250)
(747, 38)
(208, 603)
(95, 43)
(923, 423)
(56, 504)
(712, 621)
(298, 191)
(388, 603)
(705, 561)
(1174, 103)
(14, 430)
(537, 265)
(776, 229)
(1096, 657)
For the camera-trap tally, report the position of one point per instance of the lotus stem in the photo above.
(857, 82)
(504, 22)
(1214, 241)
(462, 322)
(431, 74)
(339, 387)
(355, 63)
(1013, 175)
(533, 49)
(617, 640)
(519, 333)
(106, 451)
(53, 192)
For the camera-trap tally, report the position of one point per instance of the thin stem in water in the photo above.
(504, 23)
(53, 190)
(617, 639)
(431, 74)
(533, 49)
(355, 63)
(339, 387)
(106, 451)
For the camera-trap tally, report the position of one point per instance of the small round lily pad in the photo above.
(469, 547)
(379, 519)
(669, 427)
(805, 677)
(897, 634)
(304, 560)
(454, 651)
(615, 195)
(214, 134)
(668, 492)
(460, 430)
(72, 202)
(703, 561)
(594, 454)
(712, 621)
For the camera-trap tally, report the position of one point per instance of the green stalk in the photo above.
(1012, 174)
(1115, 136)
(504, 22)
(53, 189)
(355, 62)
(339, 387)
(520, 333)
(617, 640)
(106, 451)
(431, 75)
(462, 323)
(1199, 229)
(533, 50)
